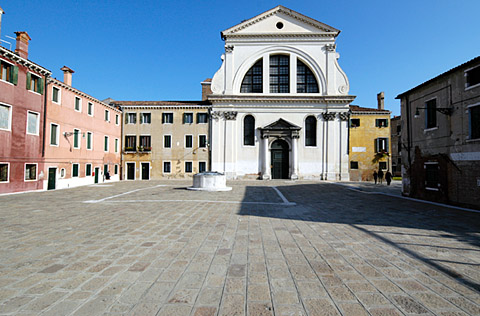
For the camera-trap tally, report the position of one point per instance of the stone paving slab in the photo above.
(154, 248)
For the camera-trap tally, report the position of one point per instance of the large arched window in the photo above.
(279, 74)
(311, 131)
(253, 80)
(249, 130)
(306, 81)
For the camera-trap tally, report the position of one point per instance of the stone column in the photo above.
(266, 159)
(295, 137)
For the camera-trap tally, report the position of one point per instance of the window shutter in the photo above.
(376, 123)
(376, 145)
(386, 123)
(386, 145)
(198, 118)
(14, 75)
(184, 118)
(163, 118)
(40, 85)
(29, 80)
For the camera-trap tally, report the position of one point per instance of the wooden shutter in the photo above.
(29, 80)
(376, 123)
(386, 123)
(14, 75)
(40, 83)
(376, 145)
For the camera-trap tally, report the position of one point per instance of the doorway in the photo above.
(130, 171)
(279, 158)
(52, 177)
(145, 171)
(97, 173)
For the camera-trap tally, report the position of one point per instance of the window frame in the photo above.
(90, 108)
(191, 166)
(128, 120)
(59, 95)
(314, 133)
(377, 144)
(164, 115)
(170, 136)
(57, 136)
(91, 140)
(431, 163)
(9, 123)
(107, 115)
(142, 116)
(202, 161)
(86, 169)
(248, 87)
(116, 143)
(469, 109)
(468, 87)
(185, 115)
(126, 142)
(140, 142)
(38, 86)
(78, 171)
(378, 122)
(308, 74)
(37, 132)
(352, 163)
(79, 138)
(117, 119)
(427, 115)
(25, 172)
(115, 169)
(200, 142)
(14, 77)
(106, 144)
(250, 141)
(8, 172)
(185, 141)
(79, 104)
(354, 125)
(169, 164)
(271, 75)
(62, 173)
(206, 117)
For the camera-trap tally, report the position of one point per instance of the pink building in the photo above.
(22, 114)
(83, 137)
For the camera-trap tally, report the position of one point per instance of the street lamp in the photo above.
(445, 111)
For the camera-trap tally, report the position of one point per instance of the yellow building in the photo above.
(369, 141)
(164, 139)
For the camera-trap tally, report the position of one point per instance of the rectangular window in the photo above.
(354, 122)
(167, 118)
(381, 123)
(105, 147)
(188, 141)
(167, 167)
(55, 95)
(472, 77)
(4, 175)
(431, 114)
(382, 165)
(145, 143)
(167, 141)
(116, 145)
(117, 119)
(54, 133)
(279, 74)
(116, 169)
(105, 168)
(431, 176)
(399, 129)
(131, 118)
(89, 140)
(202, 118)
(90, 108)
(187, 118)
(32, 123)
(381, 145)
(78, 104)
(76, 138)
(474, 121)
(75, 170)
(130, 143)
(88, 169)
(5, 117)
(145, 118)
(353, 164)
(202, 141)
(8, 72)
(202, 166)
(30, 171)
(107, 115)
(188, 166)
(34, 83)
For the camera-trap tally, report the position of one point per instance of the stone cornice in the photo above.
(24, 62)
(282, 36)
(281, 99)
(169, 107)
(370, 113)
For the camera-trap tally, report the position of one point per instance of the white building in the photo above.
(280, 100)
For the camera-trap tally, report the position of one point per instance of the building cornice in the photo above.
(24, 62)
(371, 113)
(344, 99)
(161, 107)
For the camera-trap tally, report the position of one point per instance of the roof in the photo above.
(464, 65)
(6, 53)
(169, 103)
(356, 108)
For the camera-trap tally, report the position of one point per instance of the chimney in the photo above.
(381, 100)
(22, 44)
(1, 13)
(206, 88)
(67, 75)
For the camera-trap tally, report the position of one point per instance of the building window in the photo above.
(167, 118)
(431, 175)
(105, 147)
(88, 169)
(353, 164)
(399, 129)
(32, 123)
(188, 166)
(75, 170)
(253, 80)
(5, 117)
(202, 118)
(131, 118)
(145, 118)
(249, 130)
(474, 121)
(187, 118)
(279, 74)
(202, 141)
(8, 72)
(202, 166)
(116, 145)
(311, 131)
(105, 168)
(145, 143)
(4, 174)
(381, 123)
(90, 108)
(354, 122)
(167, 141)
(167, 167)
(76, 138)
(30, 171)
(188, 141)
(431, 114)
(116, 169)
(34, 83)
(107, 115)
(62, 173)
(54, 134)
(472, 77)
(55, 95)
(117, 119)
(381, 145)
(78, 104)
(89, 140)
(306, 81)
(130, 143)
(382, 165)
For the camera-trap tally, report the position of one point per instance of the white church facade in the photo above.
(280, 101)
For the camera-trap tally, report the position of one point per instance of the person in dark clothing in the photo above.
(380, 176)
(375, 176)
(388, 177)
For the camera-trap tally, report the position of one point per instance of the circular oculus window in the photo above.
(279, 25)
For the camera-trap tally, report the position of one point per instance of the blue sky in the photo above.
(162, 50)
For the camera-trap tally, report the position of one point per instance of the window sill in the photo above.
(32, 134)
(34, 92)
(431, 189)
(6, 130)
(430, 129)
(57, 103)
(473, 140)
(1, 80)
(472, 87)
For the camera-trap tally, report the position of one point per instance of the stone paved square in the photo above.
(264, 248)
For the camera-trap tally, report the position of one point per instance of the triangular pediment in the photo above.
(281, 124)
(281, 21)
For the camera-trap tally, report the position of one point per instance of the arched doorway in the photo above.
(279, 159)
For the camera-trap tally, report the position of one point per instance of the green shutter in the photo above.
(40, 85)
(376, 123)
(29, 80)
(386, 123)
(14, 75)
(376, 145)
(386, 145)
(184, 118)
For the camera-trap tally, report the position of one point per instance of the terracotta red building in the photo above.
(22, 117)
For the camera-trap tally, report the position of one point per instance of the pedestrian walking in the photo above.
(380, 176)
(388, 177)
(375, 176)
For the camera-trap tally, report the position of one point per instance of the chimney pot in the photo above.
(22, 44)
(206, 88)
(67, 75)
(381, 100)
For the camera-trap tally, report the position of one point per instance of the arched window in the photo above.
(279, 74)
(306, 81)
(253, 80)
(311, 131)
(249, 130)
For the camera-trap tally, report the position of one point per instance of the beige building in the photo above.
(164, 139)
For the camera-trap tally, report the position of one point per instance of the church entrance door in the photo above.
(280, 163)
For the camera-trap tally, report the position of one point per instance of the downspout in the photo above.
(121, 144)
(209, 139)
(407, 102)
(44, 114)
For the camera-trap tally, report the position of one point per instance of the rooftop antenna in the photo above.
(7, 43)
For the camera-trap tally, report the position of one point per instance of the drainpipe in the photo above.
(44, 114)
(121, 143)
(209, 139)
(407, 102)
